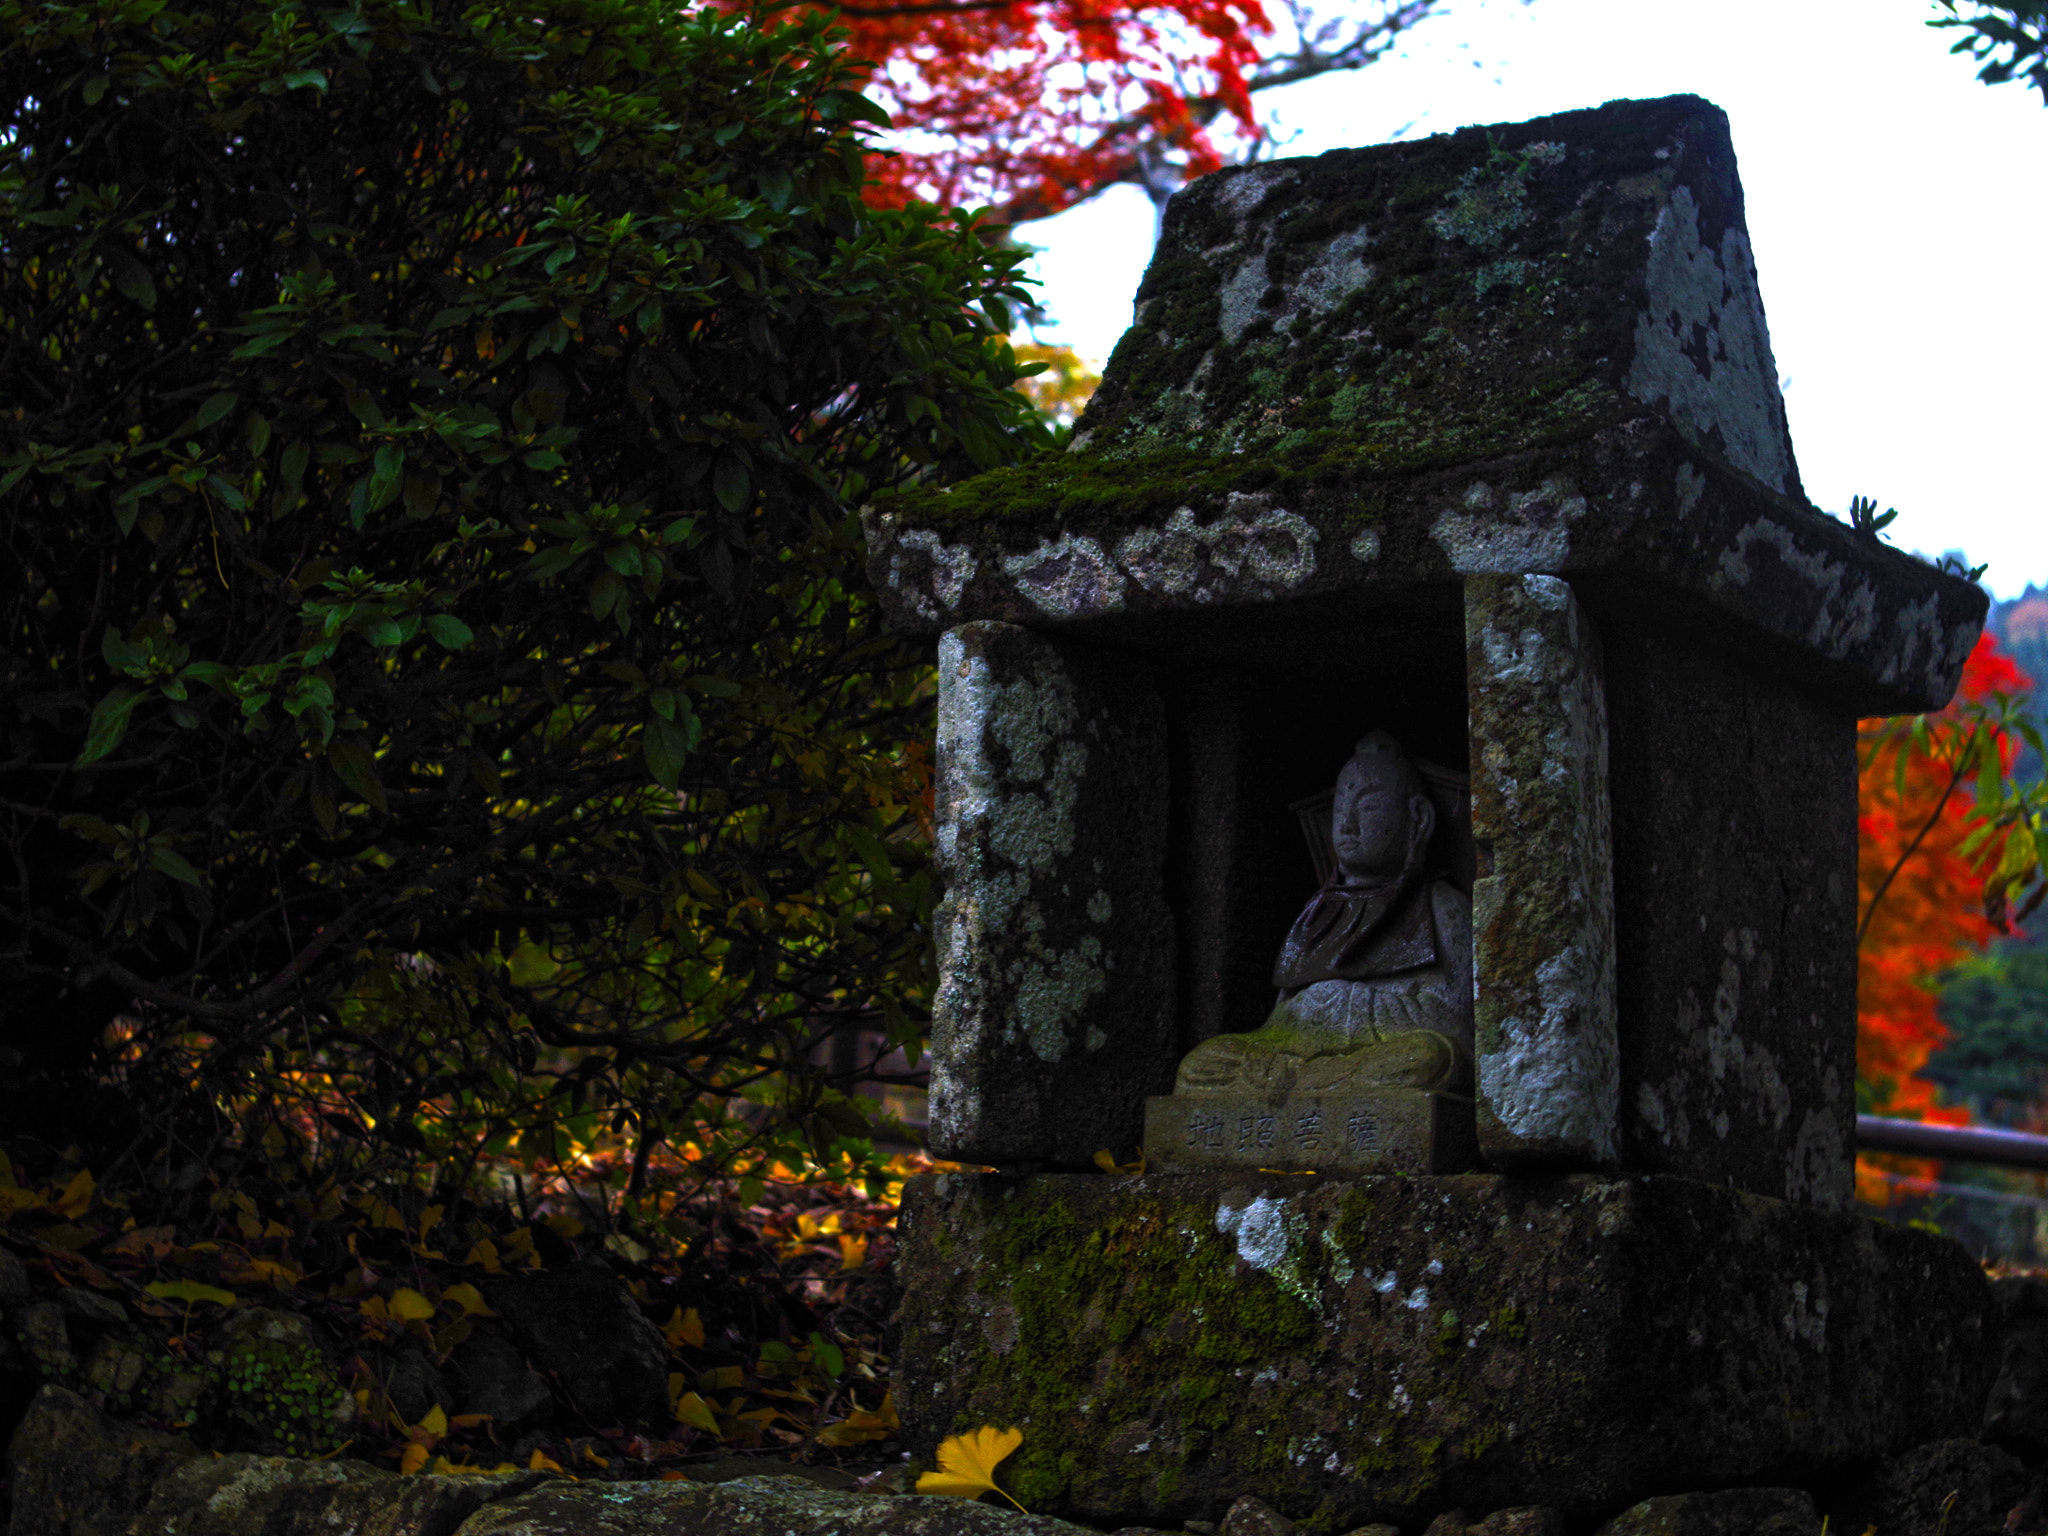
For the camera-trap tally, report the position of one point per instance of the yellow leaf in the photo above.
(853, 1251)
(189, 1291)
(540, 1461)
(77, 1195)
(469, 1298)
(435, 1423)
(863, 1425)
(485, 1253)
(410, 1305)
(967, 1463)
(1108, 1163)
(695, 1412)
(684, 1328)
(415, 1457)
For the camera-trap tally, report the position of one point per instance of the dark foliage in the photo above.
(442, 717)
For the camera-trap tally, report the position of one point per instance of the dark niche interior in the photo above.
(1251, 743)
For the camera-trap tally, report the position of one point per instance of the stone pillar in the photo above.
(1543, 905)
(1056, 1003)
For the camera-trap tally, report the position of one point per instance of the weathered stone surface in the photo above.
(1548, 1058)
(2016, 1412)
(1525, 1520)
(753, 1506)
(1054, 1013)
(412, 1381)
(1951, 1487)
(1533, 347)
(1387, 1348)
(246, 1495)
(74, 1472)
(14, 1284)
(1729, 1512)
(1250, 1516)
(490, 1375)
(581, 1327)
(1734, 797)
(1392, 1130)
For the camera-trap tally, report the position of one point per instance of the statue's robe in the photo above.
(1375, 990)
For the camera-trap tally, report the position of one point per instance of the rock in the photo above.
(14, 1282)
(1375, 1530)
(1944, 1488)
(91, 1309)
(752, 1506)
(133, 1376)
(1450, 1523)
(2016, 1412)
(415, 1385)
(581, 1326)
(1252, 1517)
(1730, 1512)
(491, 1376)
(1524, 1520)
(45, 1342)
(274, 1388)
(75, 1472)
(245, 1495)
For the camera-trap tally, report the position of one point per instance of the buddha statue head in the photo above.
(1382, 817)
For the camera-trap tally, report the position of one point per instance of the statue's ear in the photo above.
(1422, 812)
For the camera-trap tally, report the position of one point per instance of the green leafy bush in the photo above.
(442, 715)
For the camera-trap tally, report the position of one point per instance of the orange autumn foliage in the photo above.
(1929, 913)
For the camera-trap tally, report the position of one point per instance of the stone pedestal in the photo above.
(1369, 1130)
(1385, 1348)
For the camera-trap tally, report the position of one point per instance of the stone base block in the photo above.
(1380, 1130)
(1385, 1348)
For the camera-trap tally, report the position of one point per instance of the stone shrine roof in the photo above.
(1357, 378)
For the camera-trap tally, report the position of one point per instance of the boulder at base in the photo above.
(1386, 1348)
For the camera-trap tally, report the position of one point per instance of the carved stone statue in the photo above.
(1375, 977)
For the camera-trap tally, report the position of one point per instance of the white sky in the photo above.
(1898, 209)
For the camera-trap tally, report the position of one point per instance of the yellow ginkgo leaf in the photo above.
(190, 1291)
(469, 1298)
(684, 1328)
(967, 1463)
(1106, 1161)
(695, 1412)
(410, 1305)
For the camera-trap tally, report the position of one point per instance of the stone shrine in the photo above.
(1472, 446)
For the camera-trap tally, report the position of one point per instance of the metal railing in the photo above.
(1962, 1143)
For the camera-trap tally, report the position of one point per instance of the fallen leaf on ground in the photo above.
(967, 1463)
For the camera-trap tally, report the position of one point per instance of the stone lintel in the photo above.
(1141, 554)
(1384, 1348)
(1371, 1130)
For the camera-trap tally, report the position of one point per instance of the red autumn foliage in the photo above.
(1030, 106)
(1930, 913)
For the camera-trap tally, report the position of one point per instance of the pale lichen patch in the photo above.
(1702, 348)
